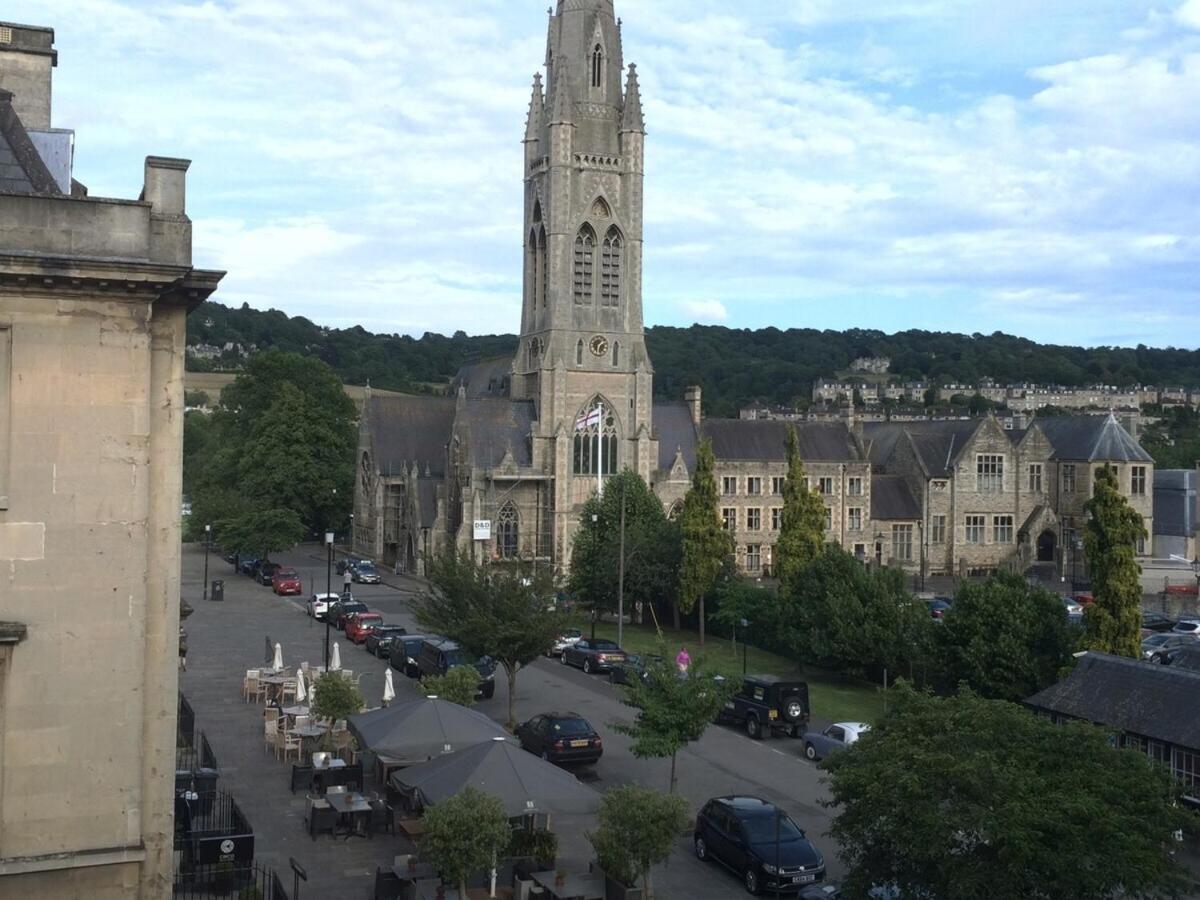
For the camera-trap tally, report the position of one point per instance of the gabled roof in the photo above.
(1157, 702)
(674, 429)
(891, 499)
(406, 430)
(938, 445)
(22, 170)
(490, 427)
(1092, 438)
(766, 440)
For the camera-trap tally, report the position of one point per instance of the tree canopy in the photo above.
(1114, 620)
(967, 797)
(464, 835)
(638, 829)
(706, 545)
(802, 527)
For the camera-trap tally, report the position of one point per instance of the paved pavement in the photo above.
(227, 638)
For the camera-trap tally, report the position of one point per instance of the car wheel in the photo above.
(810, 752)
(587, 667)
(753, 728)
(563, 659)
(701, 849)
(751, 881)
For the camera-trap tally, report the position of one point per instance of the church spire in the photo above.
(631, 115)
(533, 125)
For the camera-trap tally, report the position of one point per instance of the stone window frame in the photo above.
(854, 518)
(729, 518)
(975, 529)
(1003, 529)
(754, 557)
(1068, 478)
(777, 482)
(1138, 476)
(5, 411)
(989, 473)
(754, 486)
(1036, 483)
(854, 486)
(902, 542)
(754, 518)
(776, 518)
(825, 485)
(829, 518)
(729, 485)
(937, 529)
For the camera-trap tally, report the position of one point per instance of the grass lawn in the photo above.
(833, 698)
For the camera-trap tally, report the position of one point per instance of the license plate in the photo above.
(803, 879)
(579, 743)
(773, 714)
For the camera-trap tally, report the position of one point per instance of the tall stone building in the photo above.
(94, 293)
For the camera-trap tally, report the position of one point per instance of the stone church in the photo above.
(503, 465)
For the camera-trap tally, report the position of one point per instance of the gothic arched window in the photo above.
(610, 270)
(585, 248)
(543, 285)
(536, 261)
(616, 353)
(676, 511)
(579, 354)
(507, 532)
(595, 440)
(598, 66)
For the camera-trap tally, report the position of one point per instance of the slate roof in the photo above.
(938, 444)
(406, 429)
(1092, 438)
(1157, 702)
(766, 441)
(674, 429)
(486, 378)
(490, 427)
(22, 170)
(891, 499)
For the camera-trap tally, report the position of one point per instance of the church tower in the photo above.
(582, 343)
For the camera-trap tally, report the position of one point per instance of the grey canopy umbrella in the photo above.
(421, 729)
(523, 782)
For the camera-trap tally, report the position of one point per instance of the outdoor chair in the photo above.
(287, 691)
(348, 674)
(301, 775)
(250, 685)
(301, 721)
(270, 733)
(387, 885)
(271, 712)
(382, 818)
(285, 744)
(321, 817)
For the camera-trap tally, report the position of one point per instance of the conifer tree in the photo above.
(802, 529)
(1110, 539)
(707, 546)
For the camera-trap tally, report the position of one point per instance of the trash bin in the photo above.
(218, 590)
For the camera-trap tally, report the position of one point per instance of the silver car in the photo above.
(835, 737)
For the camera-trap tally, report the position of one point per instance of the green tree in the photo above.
(651, 548)
(1113, 623)
(465, 834)
(802, 529)
(672, 710)
(956, 797)
(638, 829)
(505, 612)
(1004, 639)
(706, 545)
(335, 697)
(459, 685)
(258, 532)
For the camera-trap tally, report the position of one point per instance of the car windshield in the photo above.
(605, 645)
(366, 567)
(572, 726)
(1155, 639)
(456, 658)
(760, 829)
(352, 606)
(286, 573)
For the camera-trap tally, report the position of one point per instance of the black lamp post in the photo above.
(1076, 546)
(207, 544)
(328, 589)
(745, 644)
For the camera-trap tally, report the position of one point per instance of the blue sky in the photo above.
(959, 165)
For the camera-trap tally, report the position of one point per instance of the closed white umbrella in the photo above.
(278, 662)
(389, 690)
(301, 693)
(335, 658)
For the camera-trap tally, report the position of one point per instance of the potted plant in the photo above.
(334, 698)
(638, 828)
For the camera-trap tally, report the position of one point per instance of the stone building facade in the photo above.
(94, 294)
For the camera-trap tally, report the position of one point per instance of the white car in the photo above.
(835, 737)
(568, 638)
(318, 604)
(1187, 626)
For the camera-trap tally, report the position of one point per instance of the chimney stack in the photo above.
(692, 396)
(27, 59)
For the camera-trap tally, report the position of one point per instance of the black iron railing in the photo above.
(186, 729)
(211, 829)
(225, 881)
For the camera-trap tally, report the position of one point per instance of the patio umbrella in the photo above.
(417, 730)
(335, 658)
(523, 782)
(389, 690)
(278, 662)
(301, 693)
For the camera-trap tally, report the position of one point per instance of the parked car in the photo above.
(1157, 648)
(286, 581)
(938, 607)
(247, 565)
(343, 610)
(564, 640)
(405, 649)
(561, 738)
(1073, 607)
(592, 655)
(438, 656)
(1084, 599)
(379, 640)
(347, 563)
(1156, 621)
(768, 703)
(835, 737)
(318, 604)
(364, 572)
(359, 625)
(1187, 626)
(634, 667)
(759, 842)
(265, 571)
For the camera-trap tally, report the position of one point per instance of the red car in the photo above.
(359, 625)
(286, 581)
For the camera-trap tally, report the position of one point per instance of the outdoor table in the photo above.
(349, 806)
(574, 887)
(333, 762)
(427, 889)
(273, 684)
(422, 872)
(294, 711)
(308, 733)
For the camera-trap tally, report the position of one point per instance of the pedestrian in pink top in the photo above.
(683, 660)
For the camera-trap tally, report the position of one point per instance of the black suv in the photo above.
(379, 639)
(758, 841)
(768, 703)
(402, 656)
(437, 657)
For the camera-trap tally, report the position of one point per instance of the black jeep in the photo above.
(768, 703)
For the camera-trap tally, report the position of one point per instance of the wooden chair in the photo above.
(382, 818)
(250, 685)
(286, 743)
(287, 691)
(301, 721)
(270, 733)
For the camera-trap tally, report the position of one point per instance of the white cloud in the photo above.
(1189, 14)
(705, 311)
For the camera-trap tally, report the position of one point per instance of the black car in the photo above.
(265, 571)
(438, 656)
(404, 651)
(561, 738)
(592, 655)
(634, 667)
(1155, 621)
(342, 610)
(768, 703)
(248, 565)
(347, 563)
(759, 842)
(380, 638)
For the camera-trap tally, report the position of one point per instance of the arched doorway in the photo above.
(1047, 543)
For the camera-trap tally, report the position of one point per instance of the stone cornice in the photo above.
(59, 275)
(11, 632)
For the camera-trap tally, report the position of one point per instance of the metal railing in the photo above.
(225, 881)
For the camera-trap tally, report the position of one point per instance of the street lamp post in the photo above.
(207, 544)
(745, 645)
(621, 577)
(351, 532)
(1076, 546)
(328, 589)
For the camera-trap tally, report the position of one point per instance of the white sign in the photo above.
(226, 847)
(483, 529)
